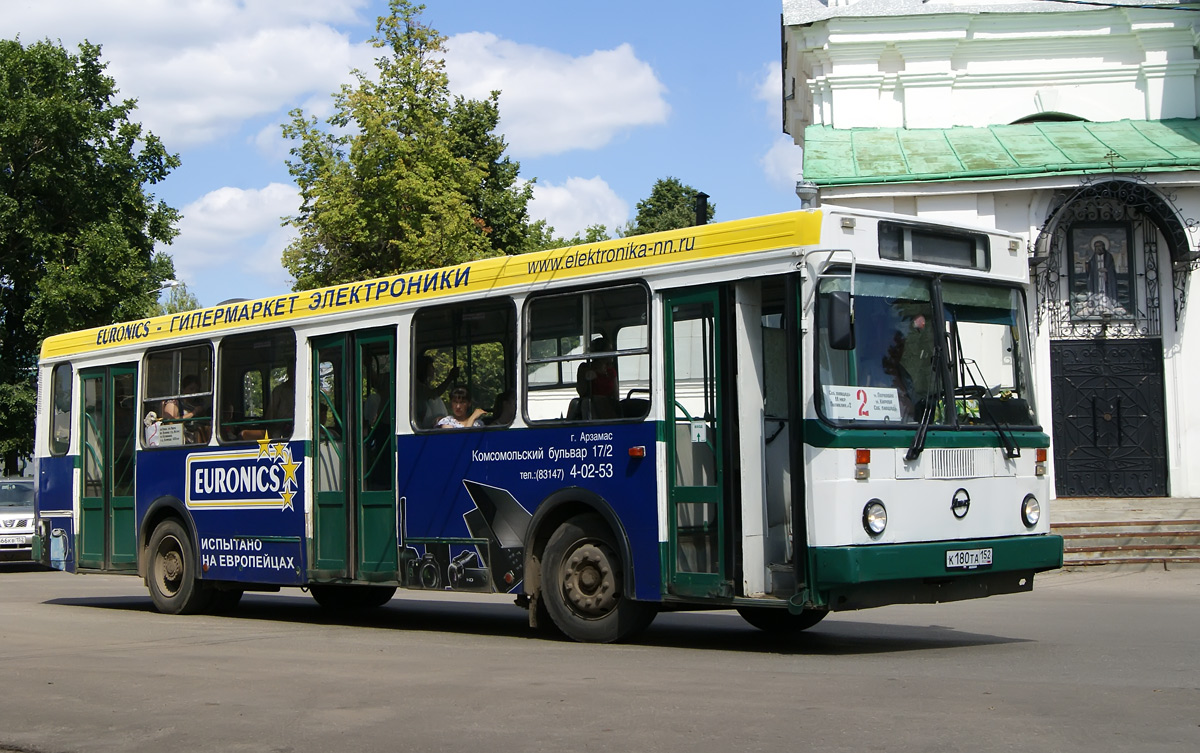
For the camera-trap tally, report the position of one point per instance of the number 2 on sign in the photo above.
(862, 404)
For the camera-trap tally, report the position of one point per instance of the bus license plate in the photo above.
(12, 539)
(968, 559)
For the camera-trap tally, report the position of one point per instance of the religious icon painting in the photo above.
(1101, 271)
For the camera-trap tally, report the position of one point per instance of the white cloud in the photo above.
(201, 69)
(783, 163)
(577, 204)
(551, 102)
(769, 90)
(199, 94)
(231, 241)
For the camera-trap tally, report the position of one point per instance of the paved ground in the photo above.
(1091, 661)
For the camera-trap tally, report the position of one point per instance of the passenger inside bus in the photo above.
(190, 406)
(428, 405)
(504, 409)
(461, 413)
(596, 383)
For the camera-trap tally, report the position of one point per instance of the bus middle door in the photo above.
(354, 441)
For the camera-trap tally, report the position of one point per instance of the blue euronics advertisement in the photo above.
(462, 487)
(247, 504)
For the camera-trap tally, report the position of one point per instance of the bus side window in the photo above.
(467, 347)
(177, 400)
(60, 409)
(589, 355)
(257, 386)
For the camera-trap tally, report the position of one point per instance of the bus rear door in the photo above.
(107, 520)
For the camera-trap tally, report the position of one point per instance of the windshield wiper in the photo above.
(918, 443)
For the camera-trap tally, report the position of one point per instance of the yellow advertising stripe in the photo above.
(620, 255)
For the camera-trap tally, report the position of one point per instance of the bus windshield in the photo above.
(911, 356)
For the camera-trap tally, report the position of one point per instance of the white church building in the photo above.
(1075, 125)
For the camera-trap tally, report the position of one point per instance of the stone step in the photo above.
(1130, 542)
(1107, 526)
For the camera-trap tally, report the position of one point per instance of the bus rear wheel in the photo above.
(339, 596)
(781, 621)
(583, 584)
(171, 572)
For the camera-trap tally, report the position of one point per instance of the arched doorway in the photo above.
(1100, 293)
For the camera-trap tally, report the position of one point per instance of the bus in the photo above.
(787, 415)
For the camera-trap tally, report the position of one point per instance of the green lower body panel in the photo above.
(853, 577)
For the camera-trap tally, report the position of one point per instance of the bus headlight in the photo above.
(1031, 511)
(874, 518)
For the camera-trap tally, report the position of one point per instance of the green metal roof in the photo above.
(860, 156)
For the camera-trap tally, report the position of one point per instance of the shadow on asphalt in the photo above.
(838, 635)
(22, 567)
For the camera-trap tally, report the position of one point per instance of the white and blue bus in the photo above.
(786, 415)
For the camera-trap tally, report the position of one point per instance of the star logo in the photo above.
(289, 465)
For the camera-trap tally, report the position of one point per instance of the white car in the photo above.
(16, 519)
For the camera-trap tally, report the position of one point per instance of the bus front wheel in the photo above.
(780, 621)
(338, 596)
(583, 584)
(171, 572)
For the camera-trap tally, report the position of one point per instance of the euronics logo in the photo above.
(262, 478)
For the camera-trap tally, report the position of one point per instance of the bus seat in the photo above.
(634, 407)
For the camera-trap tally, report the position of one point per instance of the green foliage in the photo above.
(541, 237)
(670, 206)
(77, 227)
(178, 300)
(403, 177)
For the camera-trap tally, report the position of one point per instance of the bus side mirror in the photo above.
(841, 320)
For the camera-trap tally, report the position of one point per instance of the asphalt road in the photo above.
(1090, 661)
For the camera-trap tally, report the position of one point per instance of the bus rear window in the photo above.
(60, 409)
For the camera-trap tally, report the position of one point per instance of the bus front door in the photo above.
(354, 535)
(107, 520)
(697, 510)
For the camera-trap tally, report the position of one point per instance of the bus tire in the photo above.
(582, 584)
(171, 572)
(349, 597)
(781, 621)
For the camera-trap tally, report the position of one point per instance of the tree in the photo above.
(670, 205)
(540, 236)
(404, 177)
(77, 226)
(180, 299)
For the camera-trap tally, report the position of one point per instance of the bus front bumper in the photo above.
(855, 577)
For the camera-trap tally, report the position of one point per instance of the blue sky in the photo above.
(597, 102)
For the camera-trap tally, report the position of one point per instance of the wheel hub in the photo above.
(589, 582)
(169, 565)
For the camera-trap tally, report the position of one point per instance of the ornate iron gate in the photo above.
(1109, 437)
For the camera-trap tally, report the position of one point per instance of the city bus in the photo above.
(787, 415)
